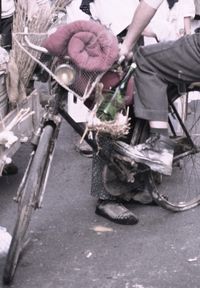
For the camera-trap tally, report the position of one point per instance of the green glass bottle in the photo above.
(113, 103)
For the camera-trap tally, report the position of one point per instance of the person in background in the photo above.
(196, 21)
(7, 8)
(172, 21)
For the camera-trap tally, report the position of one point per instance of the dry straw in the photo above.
(37, 16)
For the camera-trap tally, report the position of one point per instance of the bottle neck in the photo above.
(127, 76)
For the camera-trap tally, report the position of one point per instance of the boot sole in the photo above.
(131, 221)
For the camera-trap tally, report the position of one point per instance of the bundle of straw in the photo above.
(37, 16)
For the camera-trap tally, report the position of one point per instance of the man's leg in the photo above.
(108, 205)
(158, 65)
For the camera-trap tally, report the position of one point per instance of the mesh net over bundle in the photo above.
(91, 49)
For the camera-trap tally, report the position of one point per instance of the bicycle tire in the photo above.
(180, 191)
(26, 204)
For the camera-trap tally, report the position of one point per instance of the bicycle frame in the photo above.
(194, 149)
(60, 109)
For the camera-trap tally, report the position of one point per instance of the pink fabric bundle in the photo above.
(89, 44)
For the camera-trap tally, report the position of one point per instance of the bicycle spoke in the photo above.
(182, 189)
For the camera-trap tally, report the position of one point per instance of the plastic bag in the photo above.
(5, 240)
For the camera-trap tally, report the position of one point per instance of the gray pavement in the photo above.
(72, 247)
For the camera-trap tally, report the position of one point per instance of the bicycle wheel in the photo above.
(181, 190)
(28, 200)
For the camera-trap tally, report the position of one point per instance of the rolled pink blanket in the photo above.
(90, 45)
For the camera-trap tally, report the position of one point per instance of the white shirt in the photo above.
(168, 24)
(115, 14)
(154, 3)
(74, 13)
(8, 8)
(180, 10)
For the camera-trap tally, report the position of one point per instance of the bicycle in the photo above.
(31, 190)
(30, 193)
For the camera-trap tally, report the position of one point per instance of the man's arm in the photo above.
(143, 14)
(187, 25)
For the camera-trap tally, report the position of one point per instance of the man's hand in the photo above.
(141, 19)
(124, 52)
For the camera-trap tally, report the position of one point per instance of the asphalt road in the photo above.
(72, 247)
